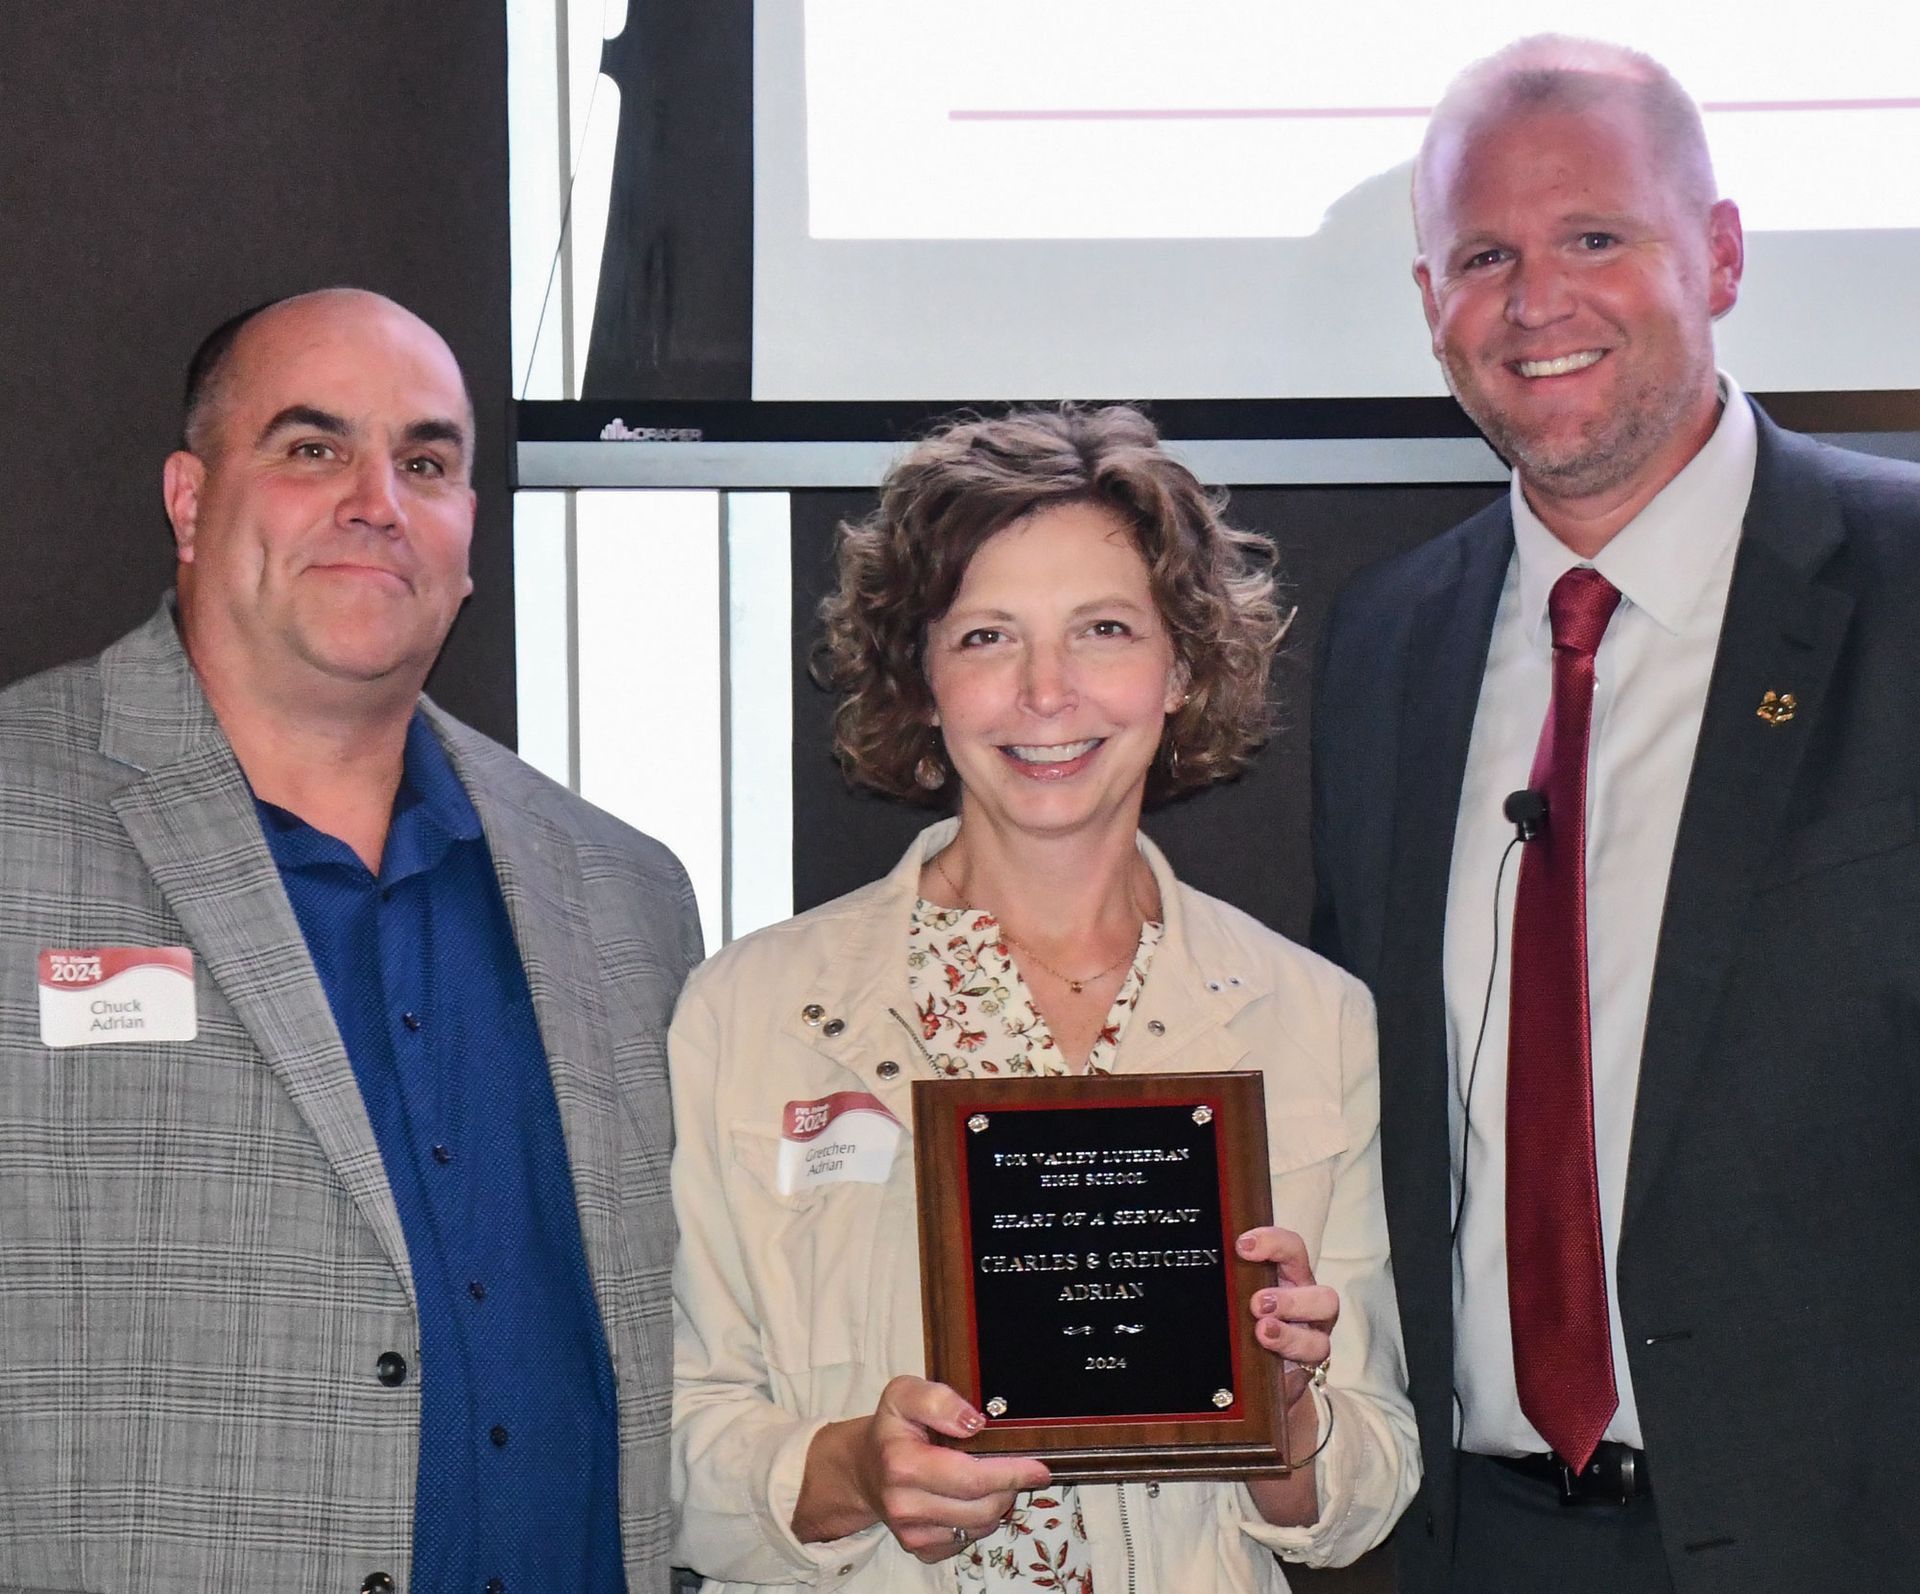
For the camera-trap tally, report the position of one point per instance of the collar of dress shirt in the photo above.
(1664, 559)
(431, 811)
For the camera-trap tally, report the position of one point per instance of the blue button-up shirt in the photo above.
(519, 1448)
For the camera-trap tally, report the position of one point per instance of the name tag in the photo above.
(849, 1135)
(100, 995)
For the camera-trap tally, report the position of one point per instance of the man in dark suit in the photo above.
(1648, 1087)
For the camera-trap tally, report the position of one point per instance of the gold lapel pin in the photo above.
(1776, 708)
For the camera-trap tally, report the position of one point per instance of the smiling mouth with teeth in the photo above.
(1064, 753)
(1562, 365)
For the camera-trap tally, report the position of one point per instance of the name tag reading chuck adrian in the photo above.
(1079, 1276)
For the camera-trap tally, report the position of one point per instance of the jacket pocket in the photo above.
(813, 1255)
(1841, 838)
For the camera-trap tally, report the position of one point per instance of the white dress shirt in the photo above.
(1673, 564)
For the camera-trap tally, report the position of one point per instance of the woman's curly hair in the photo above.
(900, 569)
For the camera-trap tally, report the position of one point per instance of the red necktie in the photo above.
(1556, 1265)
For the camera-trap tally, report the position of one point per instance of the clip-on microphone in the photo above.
(1526, 811)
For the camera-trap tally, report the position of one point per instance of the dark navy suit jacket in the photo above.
(1769, 1264)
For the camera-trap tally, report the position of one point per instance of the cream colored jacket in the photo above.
(794, 1311)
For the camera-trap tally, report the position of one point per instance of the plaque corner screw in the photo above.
(977, 1122)
(1203, 1115)
(1223, 1398)
(996, 1407)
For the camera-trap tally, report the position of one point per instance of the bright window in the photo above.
(653, 632)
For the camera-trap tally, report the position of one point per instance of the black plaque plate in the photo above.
(1080, 1281)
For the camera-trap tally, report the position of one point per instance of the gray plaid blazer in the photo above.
(200, 1258)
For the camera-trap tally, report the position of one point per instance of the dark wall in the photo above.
(1245, 840)
(167, 162)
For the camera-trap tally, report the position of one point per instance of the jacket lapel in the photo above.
(538, 868)
(1446, 654)
(1440, 673)
(859, 1012)
(189, 813)
(1183, 1021)
(1783, 632)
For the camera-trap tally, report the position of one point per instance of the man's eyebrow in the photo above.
(1472, 242)
(436, 431)
(306, 417)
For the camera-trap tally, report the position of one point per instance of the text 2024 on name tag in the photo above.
(107, 995)
(848, 1136)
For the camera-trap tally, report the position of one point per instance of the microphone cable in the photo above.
(1526, 810)
(1479, 1040)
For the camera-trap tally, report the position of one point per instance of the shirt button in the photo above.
(411, 1020)
(391, 1370)
(496, 1585)
(376, 1583)
(1155, 1027)
(813, 1012)
(442, 1155)
(477, 1290)
(499, 1436)
(888, 1070)
(834, 1026)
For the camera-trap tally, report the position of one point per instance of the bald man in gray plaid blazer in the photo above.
(205, 1289)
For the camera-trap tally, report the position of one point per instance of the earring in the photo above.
(929, 774)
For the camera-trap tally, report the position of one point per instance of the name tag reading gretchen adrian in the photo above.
(848, 1136)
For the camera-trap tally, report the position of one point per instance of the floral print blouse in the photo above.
(975, 1016)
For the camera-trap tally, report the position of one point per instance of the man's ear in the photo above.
(1423, 276)
(1726, 257)
(473, 508)
(182, 479)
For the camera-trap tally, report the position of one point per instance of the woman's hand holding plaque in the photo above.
(886, 1468)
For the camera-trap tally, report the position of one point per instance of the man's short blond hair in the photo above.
(1553, 72)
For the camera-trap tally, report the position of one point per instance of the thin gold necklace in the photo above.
(1076, 986)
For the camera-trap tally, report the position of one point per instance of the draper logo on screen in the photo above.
(617, 431)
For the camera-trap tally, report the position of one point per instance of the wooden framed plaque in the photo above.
(1078, 1273)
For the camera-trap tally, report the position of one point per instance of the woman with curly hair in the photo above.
(1045, 623)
